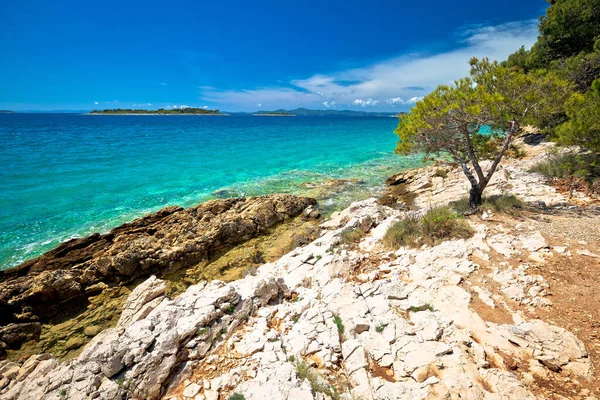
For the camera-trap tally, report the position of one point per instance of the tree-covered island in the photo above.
(160, 111)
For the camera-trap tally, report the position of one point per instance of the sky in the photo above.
(248, 55)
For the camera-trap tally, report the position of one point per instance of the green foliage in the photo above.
(353, 235)
(521, 59)
(443, 223)
(442, 173)
(583, 127)
(581, 69)
(379, 328)
(569, 27)
(230, 309)
(584, 166)
(317, 383)
(477, 117)
(497, 203)
(339, 323)
(424, 307)
(405, 232)
(220, 333)
(202, 331)
(237, 396)
(437, 225)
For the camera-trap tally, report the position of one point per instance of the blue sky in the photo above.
(243, 55)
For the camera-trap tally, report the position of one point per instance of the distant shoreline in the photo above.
(168, 115)
(160, 111)
(273, 115)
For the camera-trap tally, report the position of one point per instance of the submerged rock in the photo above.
(160, 243)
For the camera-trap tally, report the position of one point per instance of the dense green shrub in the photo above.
(583, 166)
(436, 226)
(583, 127)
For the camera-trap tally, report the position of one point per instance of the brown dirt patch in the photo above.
(497, 315)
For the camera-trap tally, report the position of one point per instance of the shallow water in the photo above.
(68, 175)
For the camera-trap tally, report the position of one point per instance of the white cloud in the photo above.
(205, 107)
(363, 103)
(176, 107)
(400, 100)
(163, 84)
(258, 105)
(96, 103)
(142, 105)
(395, 82)
(329, 104)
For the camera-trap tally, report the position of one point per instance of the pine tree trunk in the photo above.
(475, 199)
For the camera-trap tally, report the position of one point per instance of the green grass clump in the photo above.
(202, 331)
(497, 203)
(380, 328)
(338, 322)
(437, 225)
(317, 383)
(442, 173)
(421, 308)
(569, 166)
(230, 309)
(353, 235)
(237, 396)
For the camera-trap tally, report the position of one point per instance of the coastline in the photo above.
(367, 301)
(170, 115)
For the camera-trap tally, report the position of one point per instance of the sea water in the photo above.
(69, 175)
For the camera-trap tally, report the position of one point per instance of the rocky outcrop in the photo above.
(325, 320)
(163, 242)
(335, 319)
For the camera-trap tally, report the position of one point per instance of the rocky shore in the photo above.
(162, 243)
(481, 318)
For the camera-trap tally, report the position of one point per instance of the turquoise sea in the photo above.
(68, 175)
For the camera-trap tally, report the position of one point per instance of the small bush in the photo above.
(353, 235)
(317, 383)
(405, 232)
(586, 166)
(497, 203)
(443, 223)
(436, 226)
(380, 328)
(237, 396)
(442, 173)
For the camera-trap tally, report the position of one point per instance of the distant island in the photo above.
(6, 112)
(160, 111)
(321, 113)
(274, 114)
